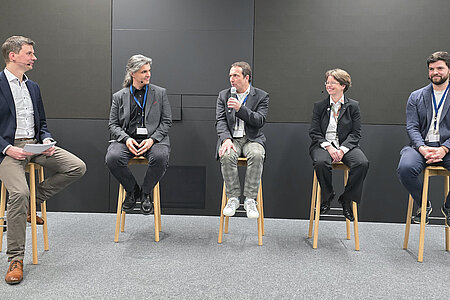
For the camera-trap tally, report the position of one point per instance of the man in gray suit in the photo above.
(240, 117)
(139, 123)
(428, 126)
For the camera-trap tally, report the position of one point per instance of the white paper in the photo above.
(38, 148)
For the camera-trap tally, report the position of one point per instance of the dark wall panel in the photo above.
(192, 43)
(73, 47)
(88, 139)
(382, 44)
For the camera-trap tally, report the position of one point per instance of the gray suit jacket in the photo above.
(253, 113)
(158, 116)
(419, 114)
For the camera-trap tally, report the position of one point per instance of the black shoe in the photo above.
(417, 217)
(130, 199)
(347, 209)
(325, 205)
(146, 205)
(446, 212)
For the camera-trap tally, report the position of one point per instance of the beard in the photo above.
(438, 80)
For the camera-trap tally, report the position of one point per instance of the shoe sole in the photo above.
(256, 217)
(13, 282)
(229, 215)
(426, 219)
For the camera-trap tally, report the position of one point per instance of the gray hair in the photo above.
(133, 65)
(14, 44)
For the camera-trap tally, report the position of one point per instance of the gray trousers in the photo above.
(255, 154)
(65, 167)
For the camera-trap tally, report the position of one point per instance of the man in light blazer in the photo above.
(139, 123)
(240, 117)
(428, 127)
(335, 133)
(23, 121)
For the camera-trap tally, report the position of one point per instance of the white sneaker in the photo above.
(250, 207)
(230, 209)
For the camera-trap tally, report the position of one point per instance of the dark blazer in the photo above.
(8, 114)
(253, 113)
(348, 125)
(158, 115)
(419, 114)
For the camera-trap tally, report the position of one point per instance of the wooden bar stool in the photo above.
(427, 173)
(31, 169)
(242, 162)
(315, 205)
(120, 218)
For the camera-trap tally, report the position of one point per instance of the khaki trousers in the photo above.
(65, 169)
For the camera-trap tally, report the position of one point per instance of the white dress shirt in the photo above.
(331, 134)
(239, 126)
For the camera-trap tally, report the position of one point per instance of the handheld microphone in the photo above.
(233, 95)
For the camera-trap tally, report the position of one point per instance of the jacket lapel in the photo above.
(4, 88)
(428, 104)
(446, 106)
(33, 97)
(126, 106)
(150, 100)
(343, 108)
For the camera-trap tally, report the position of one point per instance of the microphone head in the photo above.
(233, 90)
(142, 81)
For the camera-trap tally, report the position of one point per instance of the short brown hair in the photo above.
(439, 55)
(14, 44)
(246, 69)
(341, 76)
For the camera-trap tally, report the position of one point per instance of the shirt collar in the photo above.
(340, 100)
(11, 77)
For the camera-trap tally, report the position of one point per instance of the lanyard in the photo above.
(437, 107)
(137, 101)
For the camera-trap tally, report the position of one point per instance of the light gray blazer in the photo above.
(419, 114)
(158, 115)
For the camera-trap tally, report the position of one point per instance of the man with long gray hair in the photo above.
(139, 123)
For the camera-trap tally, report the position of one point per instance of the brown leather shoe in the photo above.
(39, 220)
(15, 272)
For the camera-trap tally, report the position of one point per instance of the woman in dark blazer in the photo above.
(335, 133)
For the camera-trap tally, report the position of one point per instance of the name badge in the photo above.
(433, 138)
(141, 131)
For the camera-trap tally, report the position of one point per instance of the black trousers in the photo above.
(117, 158)
(354, 159)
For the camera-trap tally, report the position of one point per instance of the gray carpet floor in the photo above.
(188, 263)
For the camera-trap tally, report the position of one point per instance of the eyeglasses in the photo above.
(331, 83)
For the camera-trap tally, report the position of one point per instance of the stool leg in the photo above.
(122, 222)
(408, 222)
(447, 231)
(155, 212)
(44, 212)
(260, 201)
(224, 194)
(33, 212)
(355, 225)
(45, 227)
(316, 221)
(347, 221)
(423, 213)
(2, 213)
(260, 218)
(119, 211)
(313, 202)
(224, 199)
(159, 207)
